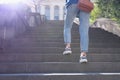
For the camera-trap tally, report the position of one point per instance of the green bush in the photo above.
(95, 13)
(109, 9)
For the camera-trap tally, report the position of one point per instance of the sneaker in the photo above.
(83, 59)
(67, 51)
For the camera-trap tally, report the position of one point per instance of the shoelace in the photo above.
(68, 49)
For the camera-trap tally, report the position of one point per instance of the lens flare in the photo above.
(10, 1)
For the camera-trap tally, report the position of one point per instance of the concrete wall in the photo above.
(108, 25)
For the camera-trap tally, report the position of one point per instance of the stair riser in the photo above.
(95, 67)
(93, 39)
(73, 32)
(57, 58)
(75, 45)
(61, 77)
(58, 50)
(61, 36)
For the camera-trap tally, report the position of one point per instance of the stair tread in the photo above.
(58, 74)
(59, 67)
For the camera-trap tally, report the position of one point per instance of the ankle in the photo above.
(83, 54)
(68, 45)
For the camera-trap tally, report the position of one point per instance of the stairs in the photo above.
(37, 55)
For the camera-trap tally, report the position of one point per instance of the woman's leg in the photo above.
(71, 14)
(84, 32)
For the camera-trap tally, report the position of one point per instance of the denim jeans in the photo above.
(72, 11)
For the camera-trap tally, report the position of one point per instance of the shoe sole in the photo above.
(67, 53)
(83, 61)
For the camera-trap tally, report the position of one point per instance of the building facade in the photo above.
(52, 9)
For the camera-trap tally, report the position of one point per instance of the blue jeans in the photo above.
(72, 12)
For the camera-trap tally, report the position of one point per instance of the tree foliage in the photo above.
(110, 9)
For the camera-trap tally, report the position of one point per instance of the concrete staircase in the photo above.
(37, 55)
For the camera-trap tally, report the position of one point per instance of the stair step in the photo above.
(61, 76)
(74, 32)
(62, 41)
(59, 67)
(59, 38)
(59, 50)
(57, 58)
(58, 44)
(37, 55)
(61, 35)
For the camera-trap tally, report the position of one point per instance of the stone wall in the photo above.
(107, 25)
